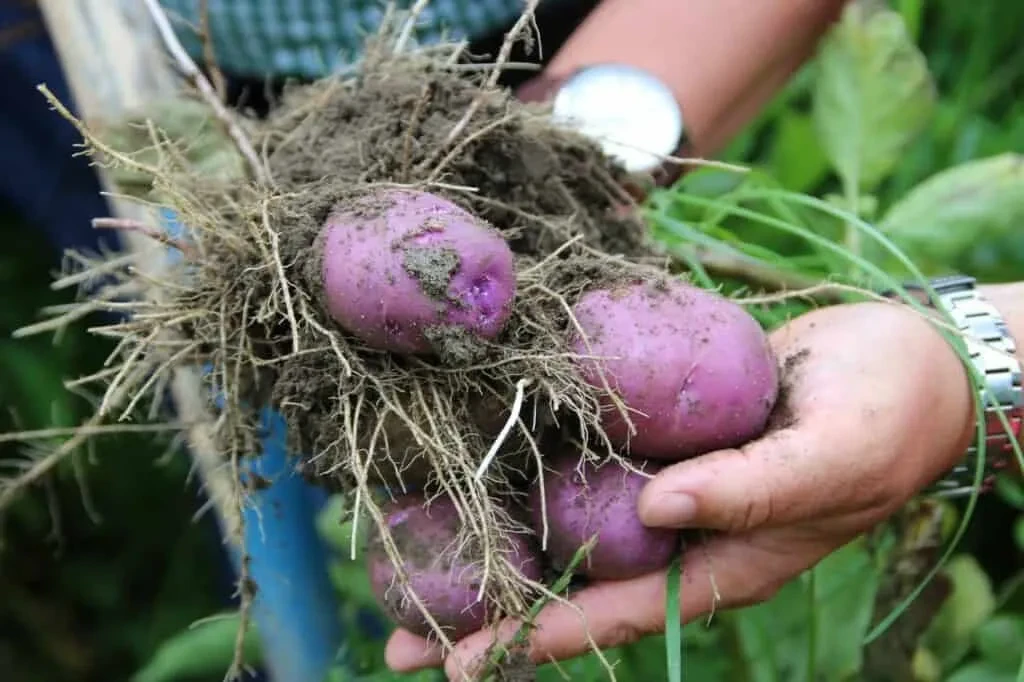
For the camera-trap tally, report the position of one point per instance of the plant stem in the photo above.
(812, 625)
(852, 236)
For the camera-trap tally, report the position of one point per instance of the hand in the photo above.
(876, 406)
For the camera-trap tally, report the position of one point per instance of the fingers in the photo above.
(784, 478)
(407, 652)
(736, 570)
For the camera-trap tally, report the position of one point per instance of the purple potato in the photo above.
(602, 501)
(694, 369)
(402, 269)
(446, 582)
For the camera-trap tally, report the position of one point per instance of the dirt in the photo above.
(783, 415)
(432, 267)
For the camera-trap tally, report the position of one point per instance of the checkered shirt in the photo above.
(308, 38)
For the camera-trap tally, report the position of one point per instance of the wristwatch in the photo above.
(632, 114)
(992, 351)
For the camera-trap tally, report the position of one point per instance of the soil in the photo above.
(783, 416)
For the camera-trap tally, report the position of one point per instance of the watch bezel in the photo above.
(658, 89)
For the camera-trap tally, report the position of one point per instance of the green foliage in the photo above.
(204, 649)
(968, 217)
(971, 603)
(873, 95)
(105, 562)
(814, 628)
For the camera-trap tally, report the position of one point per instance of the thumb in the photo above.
(785, 477)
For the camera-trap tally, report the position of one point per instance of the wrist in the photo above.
(986, 322)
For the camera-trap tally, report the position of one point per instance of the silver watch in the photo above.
(992, 351)
(628, 111)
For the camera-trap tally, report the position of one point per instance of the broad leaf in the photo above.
(1001, 640)
(873, 94)
(775, 637)
(797, 160)
(203, 649)
(970, 604)
(982, 671)
(956, 211)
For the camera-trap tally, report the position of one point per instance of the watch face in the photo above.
(632, 114)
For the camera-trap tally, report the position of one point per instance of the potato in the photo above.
(446, 580)
(694, 369)
(409, 272)
(601, 501)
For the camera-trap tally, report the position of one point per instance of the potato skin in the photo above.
(603, 501)
(695, 369)
(445, 583)
(399, 264)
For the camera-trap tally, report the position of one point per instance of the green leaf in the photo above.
(774, 637)
(332, 526)
(926, 666)
(797, 159)
(1018, 533)
(205, 648)
(31, 384)
(673, 626)
(982, 671)
(944, 217)
(970, 604)
(846, 584)
(874, 94)
(1010, 490)
(1000, 640)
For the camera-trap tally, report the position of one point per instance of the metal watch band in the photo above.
(992, 350)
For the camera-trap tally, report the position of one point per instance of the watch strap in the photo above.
(992, 351)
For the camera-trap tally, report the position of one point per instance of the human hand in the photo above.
(876, 406)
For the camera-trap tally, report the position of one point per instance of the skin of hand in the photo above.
(879, 406)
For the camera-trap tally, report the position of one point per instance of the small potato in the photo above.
(601, 501)
(446, 580)
(410, 272)
(693, 368)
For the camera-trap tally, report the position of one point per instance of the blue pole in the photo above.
(295, 609)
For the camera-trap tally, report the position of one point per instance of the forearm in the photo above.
(724, 59)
